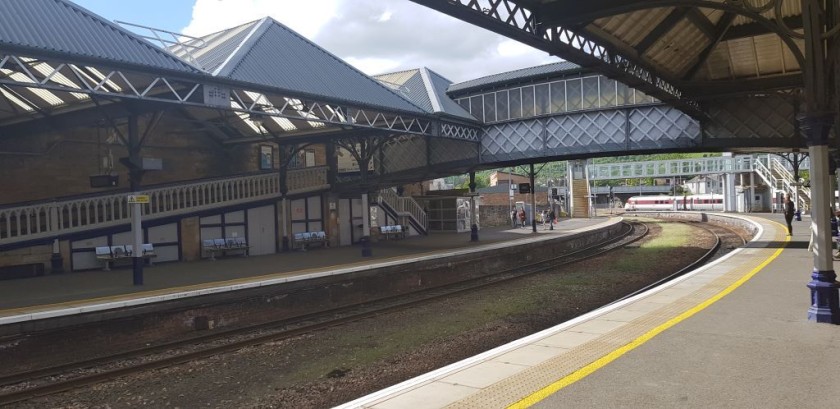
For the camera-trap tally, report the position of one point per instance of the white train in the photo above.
(689, 202)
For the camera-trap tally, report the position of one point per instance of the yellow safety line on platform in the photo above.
(587, 370)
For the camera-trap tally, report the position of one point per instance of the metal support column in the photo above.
(284, 189)
(473, 224)
(366, 249)
(135, 175)
(532, 176)
(815, 123)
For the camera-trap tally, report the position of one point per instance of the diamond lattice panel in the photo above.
(585, 130)
(513, 138)
(444, 150)
(749, 118)
(404, 153)
(662, 127)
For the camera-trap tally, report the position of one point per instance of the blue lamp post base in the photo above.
(825, 297)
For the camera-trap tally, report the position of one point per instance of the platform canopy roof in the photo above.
(679, 51)
(58, 59)
(426, 89)
(267, 52)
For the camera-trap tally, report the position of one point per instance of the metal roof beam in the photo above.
(663, 28)
(721, 29)
(508, 18)
(566, 12)
(718, 89)
(702, 22)
(757, 29)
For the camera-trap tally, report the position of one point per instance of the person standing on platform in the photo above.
(522, 218)
(789, 210)
(513, 217)
(551, 217)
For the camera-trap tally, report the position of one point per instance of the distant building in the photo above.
(504, 178)
(440, 184)
(703, 184)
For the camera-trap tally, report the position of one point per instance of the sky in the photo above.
(375, 36)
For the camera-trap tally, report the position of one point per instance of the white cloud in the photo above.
(373, 64)
(307, 18)
(385, 16)
(379, 36)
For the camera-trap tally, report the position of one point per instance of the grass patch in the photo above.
(354, 346)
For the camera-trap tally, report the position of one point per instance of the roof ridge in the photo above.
(252, 34)
(331, 55)
(512, 71)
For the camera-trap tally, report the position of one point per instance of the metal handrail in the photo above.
(405, 206)
(50, 219)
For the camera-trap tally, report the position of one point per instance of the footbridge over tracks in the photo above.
(561, 111)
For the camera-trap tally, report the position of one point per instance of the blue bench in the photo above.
(225, 246)
(302, 241)
(396, 232)
(109, 254)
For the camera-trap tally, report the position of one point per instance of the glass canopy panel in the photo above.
(558, 97)
(542, 98)
(528, 102)
(502, 113)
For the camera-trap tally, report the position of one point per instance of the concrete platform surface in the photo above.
(733, 334)
(23, 296)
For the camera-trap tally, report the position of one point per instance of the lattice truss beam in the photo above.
(513, 20)
(33, 87)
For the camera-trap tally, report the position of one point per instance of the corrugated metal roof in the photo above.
(276, 56)
(59, 27)
(440, 86)
(431, 97)
(678, 49)
(217, 48)
(410, 85)
(514, 76)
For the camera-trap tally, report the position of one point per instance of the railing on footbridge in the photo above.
(669, 168)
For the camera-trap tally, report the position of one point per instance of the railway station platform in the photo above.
(67, 294)
(731, 334)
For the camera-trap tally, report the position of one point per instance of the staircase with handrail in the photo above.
(776, 175)
(404, 209)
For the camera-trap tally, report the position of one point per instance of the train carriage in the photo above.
(670, 203)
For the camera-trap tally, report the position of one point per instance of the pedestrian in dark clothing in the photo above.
(789, 210)
(551, 216)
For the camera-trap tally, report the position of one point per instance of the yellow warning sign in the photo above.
(138, 199)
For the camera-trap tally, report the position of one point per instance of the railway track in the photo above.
(725, 240)
(47, 381)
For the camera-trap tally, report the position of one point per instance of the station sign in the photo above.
(142, 199)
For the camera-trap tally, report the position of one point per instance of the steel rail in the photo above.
(290, 327)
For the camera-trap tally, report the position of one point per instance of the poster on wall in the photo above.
(266, 157)
(347, 162)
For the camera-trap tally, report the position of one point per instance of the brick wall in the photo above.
(494, 215)
(499, 199)
(49, 165)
